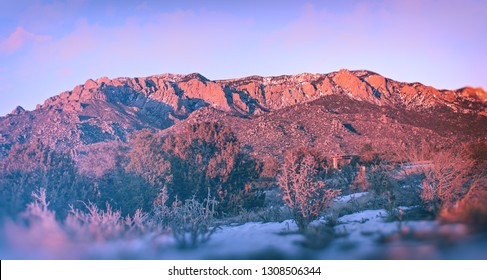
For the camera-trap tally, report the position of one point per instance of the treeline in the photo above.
(29, 168)
(203, 160)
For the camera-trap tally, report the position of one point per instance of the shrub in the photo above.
(343, 179)
(125, 191)
(471, 209)
(39, 229)
(95, 224)
(446, 180)
(303, 192)
(39, 234)
(192, 222)
(38, 216)
(368, 155)
(98, 224)
(273, 214)
(270, 167)
(162, 214)
(382, 183)
(477, 152)
(247, 199)
(318, 237)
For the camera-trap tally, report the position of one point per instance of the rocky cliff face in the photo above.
(179, 95)
(336, 112)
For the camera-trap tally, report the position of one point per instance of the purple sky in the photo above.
(47, 47)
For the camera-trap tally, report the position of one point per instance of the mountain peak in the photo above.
(17, 111)
(197, 76)
(473, 93)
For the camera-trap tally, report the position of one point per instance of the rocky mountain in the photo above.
(337, 112)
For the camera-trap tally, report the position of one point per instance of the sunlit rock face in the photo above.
(337, 112)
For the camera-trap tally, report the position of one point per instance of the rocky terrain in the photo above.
(338, 113)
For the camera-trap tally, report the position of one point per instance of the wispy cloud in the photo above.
(18, 39)
(439, 43)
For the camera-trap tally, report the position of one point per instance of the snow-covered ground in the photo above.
(361, 235)
(347, 198)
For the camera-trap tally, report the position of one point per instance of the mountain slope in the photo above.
(337, 112)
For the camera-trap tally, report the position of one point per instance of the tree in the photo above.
(35, 165)
(125, 191)
(368, 155)
(477, 151)
(303, 191)
(148, 159)
(203, 159)
(447, 180)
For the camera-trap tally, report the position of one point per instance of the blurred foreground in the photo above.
(368, 234)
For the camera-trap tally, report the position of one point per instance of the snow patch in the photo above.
(349, 197)
(366, 215)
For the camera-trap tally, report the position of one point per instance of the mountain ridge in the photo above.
(360, 84)
(336, 112)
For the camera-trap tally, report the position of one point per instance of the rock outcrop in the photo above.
(182, 94)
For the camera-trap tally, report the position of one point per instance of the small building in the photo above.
(339, 161)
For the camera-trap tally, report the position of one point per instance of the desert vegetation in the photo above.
(302, 190)
(203, 160)
(193, 184)
(455, 182)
